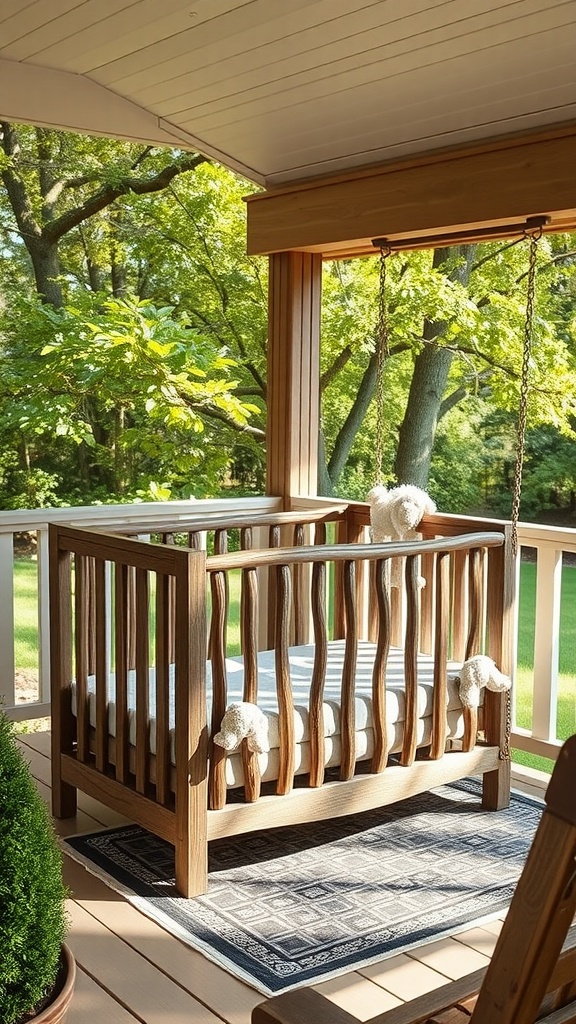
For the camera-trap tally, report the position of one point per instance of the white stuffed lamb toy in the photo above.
(477, 672)
(243, 721)
(395, 515)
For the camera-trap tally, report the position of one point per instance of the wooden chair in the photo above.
(531, 976)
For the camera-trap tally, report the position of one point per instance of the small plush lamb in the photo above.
(395, 514)
(243, 721)
(477, 672)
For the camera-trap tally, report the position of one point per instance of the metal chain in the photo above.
(382, 354)
(534, 237)
(504, 752)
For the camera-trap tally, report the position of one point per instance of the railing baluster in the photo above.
(7, 667)
(547, 643)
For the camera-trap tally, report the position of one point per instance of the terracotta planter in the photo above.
(57, 1009)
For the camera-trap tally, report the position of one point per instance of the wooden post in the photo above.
(293, 373)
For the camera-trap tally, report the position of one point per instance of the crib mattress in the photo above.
(301, 661)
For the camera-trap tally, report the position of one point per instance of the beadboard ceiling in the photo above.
(286, 90)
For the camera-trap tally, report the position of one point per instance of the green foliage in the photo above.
(32, 894)
(457, 473)
(80, 431)
(113, 398)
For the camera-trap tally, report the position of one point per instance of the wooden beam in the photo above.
(293, 374)
(495, 183)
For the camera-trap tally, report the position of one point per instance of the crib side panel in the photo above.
(136, 717)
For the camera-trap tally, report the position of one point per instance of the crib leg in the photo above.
(63, 794)
(496, 784)
(64, 803)
(496, 788)
(191, 868)
(191, 843)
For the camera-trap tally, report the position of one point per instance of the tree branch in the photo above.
(108, 193)
(240, 428)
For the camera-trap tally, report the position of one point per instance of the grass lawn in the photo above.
(25, 587)
(26, 613)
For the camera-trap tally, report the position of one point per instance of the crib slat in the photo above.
(81, 656)
(459, 604)
(427, 605)
(274, 538)
(248, 634)
(320, 533)
(442, 628)
(284, 689)
(217, 782)
(301, 591)
(220, 548)
(131, 618)
(142, 679)
(474, 639)
(91, 588)
(381, 578)
(316, 719)
(101, 665)
(474, 603)
(168, 538)
(347, 700)
(163, 632)
(411, 662)
(121, 660)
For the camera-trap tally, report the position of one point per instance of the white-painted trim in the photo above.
(546, 643)
(114, 515)
(52, 98)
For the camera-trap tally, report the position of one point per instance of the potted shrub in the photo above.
(36, 968)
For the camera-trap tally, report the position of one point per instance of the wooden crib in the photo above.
(136, 623)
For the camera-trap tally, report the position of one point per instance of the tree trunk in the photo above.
(418, 428)
(352, 423)
(429, 379)
(46, 266)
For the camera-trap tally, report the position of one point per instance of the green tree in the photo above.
(118, 404)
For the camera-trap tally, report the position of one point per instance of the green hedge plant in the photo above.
(32, 893)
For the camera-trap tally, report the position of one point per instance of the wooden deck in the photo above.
(130, 969)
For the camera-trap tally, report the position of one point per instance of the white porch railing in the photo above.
(35, 522)
(551, 545)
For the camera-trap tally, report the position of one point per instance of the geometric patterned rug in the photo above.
(301, 904)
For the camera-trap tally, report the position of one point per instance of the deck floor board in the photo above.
(130, 969)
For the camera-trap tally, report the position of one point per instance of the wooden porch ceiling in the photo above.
(288, 90)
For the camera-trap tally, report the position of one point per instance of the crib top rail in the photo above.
(229, 521)
(350, 552)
